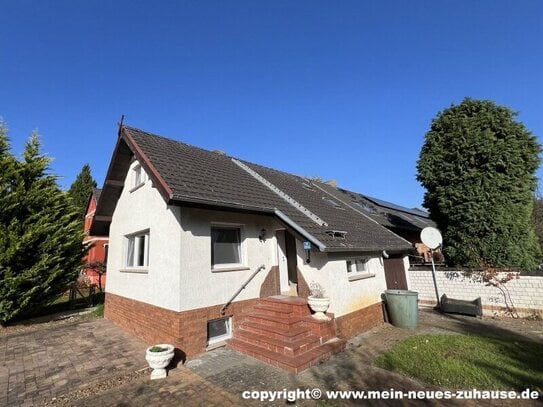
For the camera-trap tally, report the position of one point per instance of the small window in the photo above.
(331, 202)
(358, 268)
(308, 186)
(139, 176)
(137, 252)
(225, 246)
(219, 330)
(365, 206)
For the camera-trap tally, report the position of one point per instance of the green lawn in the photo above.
(466, 362)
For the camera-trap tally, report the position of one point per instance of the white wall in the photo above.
(330, 271)
(526, 293)
(202, 287)
(141, 209)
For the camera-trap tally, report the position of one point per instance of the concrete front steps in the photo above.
(281, 332)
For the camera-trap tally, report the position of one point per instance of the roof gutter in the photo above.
(300, 229)
(375, 250)
(284, 218)
(216, 204)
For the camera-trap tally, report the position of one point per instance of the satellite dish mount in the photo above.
(432, 238)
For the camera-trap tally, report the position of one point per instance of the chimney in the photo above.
(331, 182)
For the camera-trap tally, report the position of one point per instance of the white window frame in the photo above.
(139, 176)
(131, 246)
(222, 266)
(221, 338)
(358, 268)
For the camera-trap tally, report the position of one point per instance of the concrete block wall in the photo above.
(524, 293)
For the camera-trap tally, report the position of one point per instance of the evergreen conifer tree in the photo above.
(478, 167)
(81, 190)
(40, 232)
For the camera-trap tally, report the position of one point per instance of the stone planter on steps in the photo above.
(319, 306)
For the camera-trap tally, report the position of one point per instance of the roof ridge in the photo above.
(212, 152)
(169, 139)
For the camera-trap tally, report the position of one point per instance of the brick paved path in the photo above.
(40, 365)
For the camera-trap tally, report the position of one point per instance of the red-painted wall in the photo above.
(98, 250)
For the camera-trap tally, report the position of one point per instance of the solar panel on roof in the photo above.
(390, 205)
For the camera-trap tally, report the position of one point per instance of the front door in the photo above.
(395, 273)
(286, 260)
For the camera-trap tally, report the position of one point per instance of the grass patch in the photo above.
(62, 303)
(99, 311)
(466, 361)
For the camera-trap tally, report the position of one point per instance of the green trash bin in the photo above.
(402, 308)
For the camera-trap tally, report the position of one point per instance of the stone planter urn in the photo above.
(159, 357)
(318, 301)
(319, 307)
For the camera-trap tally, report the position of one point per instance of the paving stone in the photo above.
(77, 356)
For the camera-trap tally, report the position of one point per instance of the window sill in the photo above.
(136, 271)
(215, 345)
(137, 187)
(235, 268)
(361, 277)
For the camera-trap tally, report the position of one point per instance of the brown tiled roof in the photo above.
(186, 174)
(362, 231)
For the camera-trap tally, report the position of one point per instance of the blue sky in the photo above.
(343, 90)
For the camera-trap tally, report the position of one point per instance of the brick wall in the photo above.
(350, 325)
(303, 287)
(524, 293)
(271, 285)
(186, 330)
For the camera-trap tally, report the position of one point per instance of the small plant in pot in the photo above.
(318, 301)
(159, 357)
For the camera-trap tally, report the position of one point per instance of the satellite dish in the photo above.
(431, 237)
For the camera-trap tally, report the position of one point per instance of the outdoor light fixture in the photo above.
(262, 236)
(307, 248)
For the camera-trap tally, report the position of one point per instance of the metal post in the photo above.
(434, 278)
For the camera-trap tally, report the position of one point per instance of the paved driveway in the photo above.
(96, 364)
(41, 364)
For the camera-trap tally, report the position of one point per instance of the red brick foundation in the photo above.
(271, 286)
(350, 325)
(186, 330)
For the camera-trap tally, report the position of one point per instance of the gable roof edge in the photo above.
(161, 184)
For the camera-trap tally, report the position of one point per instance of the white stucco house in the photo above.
(189, 227)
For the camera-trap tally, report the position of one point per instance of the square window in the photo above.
(358, 267)
(361, 266)
(137, 250)
(225, 246)
(219, 330)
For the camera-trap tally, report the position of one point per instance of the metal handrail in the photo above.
(261, 267)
